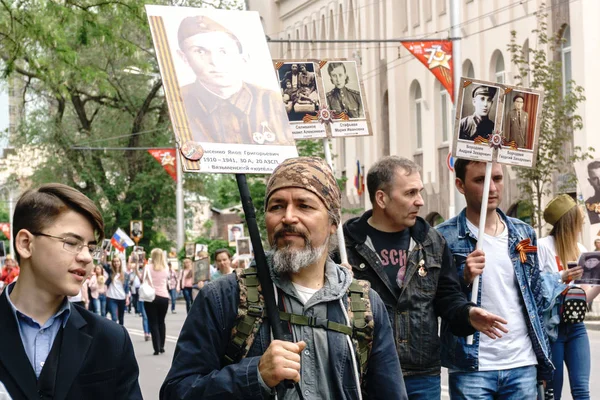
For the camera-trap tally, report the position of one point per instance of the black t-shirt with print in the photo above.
(392, 249)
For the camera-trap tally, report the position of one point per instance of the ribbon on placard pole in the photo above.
(437, 57)
(166, 158)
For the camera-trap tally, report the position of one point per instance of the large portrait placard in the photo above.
(588, 176)
(224, 102)
(497, 122)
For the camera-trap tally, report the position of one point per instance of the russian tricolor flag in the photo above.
(120, 240)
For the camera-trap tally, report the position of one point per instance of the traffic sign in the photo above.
(450, 162)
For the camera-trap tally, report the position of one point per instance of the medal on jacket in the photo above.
(422, 269)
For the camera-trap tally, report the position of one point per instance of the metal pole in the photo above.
(10, 216)
(340, 229)
(179, 203)
(459, 201)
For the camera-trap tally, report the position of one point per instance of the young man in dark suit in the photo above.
(51, 349)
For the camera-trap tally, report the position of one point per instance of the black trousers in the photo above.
(157, 311)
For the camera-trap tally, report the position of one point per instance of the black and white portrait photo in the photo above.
(189, 250)
(299, 90)
(243, 247)
(234, 232)
(591, 268)
(136, 229)
(342, 88)
(588, 176)
(478, 111)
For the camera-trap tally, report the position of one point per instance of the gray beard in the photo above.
(286, 260)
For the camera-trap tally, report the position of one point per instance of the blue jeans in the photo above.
(142, 310)
(427, 387)
(95, 306)
(102, 298)
(510, 384)
(173, 294)
(116, 308)
(572, 347)
(187, 294)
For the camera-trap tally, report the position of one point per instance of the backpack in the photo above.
(251, 312)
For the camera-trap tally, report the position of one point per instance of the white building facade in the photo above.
(411, 113)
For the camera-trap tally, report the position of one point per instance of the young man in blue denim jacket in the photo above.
(510, 287)
(303, 205)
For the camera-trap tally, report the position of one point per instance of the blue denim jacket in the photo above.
(198, 370)
(456, 354)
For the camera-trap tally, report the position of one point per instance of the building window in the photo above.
(565, 56)
(427, 10)
(415, 13)
(444, 102)
(441, 6)
(468, 70)
(418, 115)
(499, 69)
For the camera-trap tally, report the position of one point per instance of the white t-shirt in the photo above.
(547, 254)
(116, 290)
(304, 293)
(500, 295)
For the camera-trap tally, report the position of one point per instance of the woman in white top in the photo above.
(157, 309)
(572, 346)
(117, 291)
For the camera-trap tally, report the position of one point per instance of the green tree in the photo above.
(90, 78)
(559, 120)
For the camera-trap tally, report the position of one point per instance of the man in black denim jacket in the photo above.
(417, 281)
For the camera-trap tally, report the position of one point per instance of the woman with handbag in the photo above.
(156, 310)
(571, 346)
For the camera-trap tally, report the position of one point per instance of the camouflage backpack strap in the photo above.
(361, 315)
(249, 317)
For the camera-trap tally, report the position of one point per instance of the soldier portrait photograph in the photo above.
(520, 109)
(299, 90)
(136, 229)
(588, 178)
(224, 79)
(478, 112)
(342, 88)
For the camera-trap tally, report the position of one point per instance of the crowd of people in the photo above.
(368, 328)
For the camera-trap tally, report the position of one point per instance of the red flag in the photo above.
(5, 228)
(437, 56)
(166, 158)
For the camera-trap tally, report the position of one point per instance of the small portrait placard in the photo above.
(590, 261)
(234, 232)
(497, 122)
(243, 247)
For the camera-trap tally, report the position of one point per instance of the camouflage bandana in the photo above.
(312, 174)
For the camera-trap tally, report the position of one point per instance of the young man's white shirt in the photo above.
(500, 295)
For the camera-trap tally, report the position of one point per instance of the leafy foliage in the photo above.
(75, 60)
(559, 120)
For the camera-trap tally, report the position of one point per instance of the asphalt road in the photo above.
(154, 369)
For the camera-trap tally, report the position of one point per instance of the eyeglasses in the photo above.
(74, 245)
